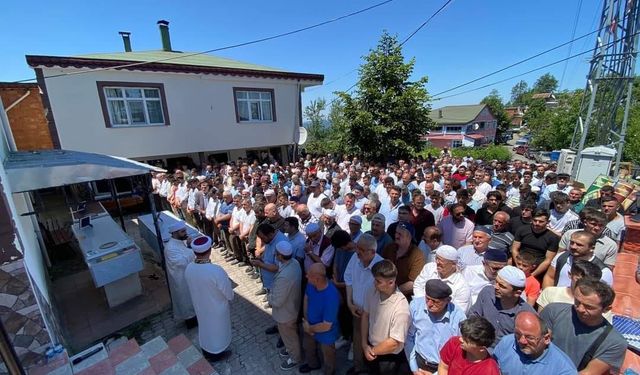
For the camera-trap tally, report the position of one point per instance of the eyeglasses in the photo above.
(529, 338)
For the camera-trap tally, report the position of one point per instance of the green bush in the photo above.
(491, 152)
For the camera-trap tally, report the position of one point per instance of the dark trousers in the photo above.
(224, 232)
(311, 353)
(344, 316)
(389, 364)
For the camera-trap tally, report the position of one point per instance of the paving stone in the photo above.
(176, 369)
(163, 360)
(154, 347)
(189, 356)
(133, 365)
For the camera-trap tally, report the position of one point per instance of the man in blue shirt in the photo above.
(529, 350)
(267, 262)
(320, 323)
(434, 320)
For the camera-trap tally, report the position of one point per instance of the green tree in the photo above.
(546, 83)
(494, 102)
(553, 128)
(387, 114)
(316, 132)
(517, 93)
(632, 139)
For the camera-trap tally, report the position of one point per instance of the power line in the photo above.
(516, 63)
(401, 44)
(573, 35)
(527, 72)
(425, 22)
(296, 31)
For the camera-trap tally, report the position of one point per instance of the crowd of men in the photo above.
(447, 265)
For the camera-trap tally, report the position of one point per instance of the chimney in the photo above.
(439, 113)
(164, 33)
(126, 40)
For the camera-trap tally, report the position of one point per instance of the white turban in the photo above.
(201, 244)
(178, 225)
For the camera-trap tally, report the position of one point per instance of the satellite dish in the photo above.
(302, 135)
(476, 126)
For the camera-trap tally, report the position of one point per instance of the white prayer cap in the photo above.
(201, 178)
(312, 228)
(269, 192)
(178, 225)
(535, 189)
(201, 244)
(447, 252)
(513, 276)
(330, 213)
(284, 248)
(246, 191)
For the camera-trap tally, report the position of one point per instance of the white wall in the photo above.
(201, 111)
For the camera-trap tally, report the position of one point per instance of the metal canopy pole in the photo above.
(156, 226)
(114, 195)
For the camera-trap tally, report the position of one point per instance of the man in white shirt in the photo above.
(445, 268)
(314, 200)
(345, 211)
(581, 247)
(561, 213)
(479, 276)
(359, 280)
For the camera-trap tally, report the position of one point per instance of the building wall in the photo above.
(201, 112)
(23, 302)
(28, 122)
(486, 116)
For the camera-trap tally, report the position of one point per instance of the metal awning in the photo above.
(33, 170)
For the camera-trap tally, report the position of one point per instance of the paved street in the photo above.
(253, 352)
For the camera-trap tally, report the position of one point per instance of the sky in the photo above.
(468, 39)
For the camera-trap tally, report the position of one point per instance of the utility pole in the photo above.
(607, 96)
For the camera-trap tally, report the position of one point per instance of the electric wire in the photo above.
(277, 36)
(527, 72)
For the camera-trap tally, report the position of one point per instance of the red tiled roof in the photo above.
(475, 136)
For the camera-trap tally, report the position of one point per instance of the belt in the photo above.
(423, 364)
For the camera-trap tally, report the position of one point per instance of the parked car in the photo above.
(521, 149)
(522, 142)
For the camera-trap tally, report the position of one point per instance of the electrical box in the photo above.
(566, 160)
(593, 162)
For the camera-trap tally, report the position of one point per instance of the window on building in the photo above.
(454, 129)
(254, 105)
(481, 125)
(128, 104)
(456, 143)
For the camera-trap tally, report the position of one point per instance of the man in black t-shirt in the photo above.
(537, 240)
(524, 219)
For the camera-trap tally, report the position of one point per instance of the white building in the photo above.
(165, 105)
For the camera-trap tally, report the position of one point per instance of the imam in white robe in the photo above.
(211, 292)
(177, 257)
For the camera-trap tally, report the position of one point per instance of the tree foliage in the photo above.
(494, 102)
(316, 131)
(387, 114)
(546, 83)
(517, 93)
(552, 127)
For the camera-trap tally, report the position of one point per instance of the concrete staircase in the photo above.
(156, 357)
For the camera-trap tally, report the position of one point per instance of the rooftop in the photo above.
(168, 61)
(456, 114)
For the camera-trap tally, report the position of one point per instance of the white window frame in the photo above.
(451, 131)
(160, 100)
(456, 143)
(247, 102)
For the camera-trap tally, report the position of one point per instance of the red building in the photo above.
(462, 126)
